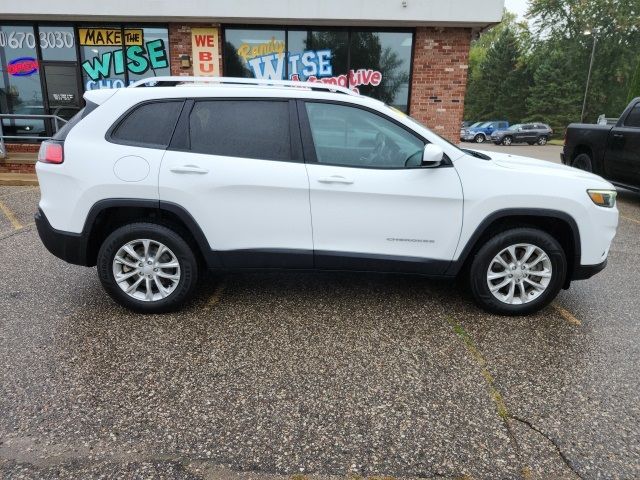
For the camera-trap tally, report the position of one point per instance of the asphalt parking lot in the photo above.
(288, 375)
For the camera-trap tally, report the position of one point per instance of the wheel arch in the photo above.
(558, 224)
(107, 215)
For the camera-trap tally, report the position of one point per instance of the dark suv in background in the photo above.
(530, 133)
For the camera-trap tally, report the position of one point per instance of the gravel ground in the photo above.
(289, 375)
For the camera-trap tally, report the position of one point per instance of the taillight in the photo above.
(51, 152)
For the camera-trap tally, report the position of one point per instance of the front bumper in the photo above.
(70, 247)
(582, 272)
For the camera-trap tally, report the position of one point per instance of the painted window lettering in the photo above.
(375, 64)
(138, 60)
(267, 61)
(115, 57)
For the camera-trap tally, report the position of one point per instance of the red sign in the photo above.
(22, 66)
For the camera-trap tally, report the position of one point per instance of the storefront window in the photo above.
(315, 55)
(152, 59)
(20, 88)
(377, 64)
(255, 53)
(57, 43)
(110, 55)
(381, 65)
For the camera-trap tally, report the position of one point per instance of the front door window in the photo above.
(355, 137)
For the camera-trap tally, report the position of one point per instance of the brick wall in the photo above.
(17, 167)
(439, 79)
(22, 147)
(180, 44)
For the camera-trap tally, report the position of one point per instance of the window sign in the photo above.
(204, 44)
(110, 36)
(372, 63)
(109, 52)
(153, 63)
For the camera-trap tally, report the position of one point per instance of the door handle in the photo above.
(618, 135)
(335, 179)
(189, 169)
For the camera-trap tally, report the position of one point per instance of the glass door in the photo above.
(64, 95)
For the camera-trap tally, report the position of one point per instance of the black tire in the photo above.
(479, 138)
(506, 141)
(482, 260)
(542, 140)
(182, 251)
(583, 162)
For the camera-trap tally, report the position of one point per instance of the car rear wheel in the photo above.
(479, 138)
(517, 272)
(583, 162)
(147, 267)
(542, 140)
(506, 141)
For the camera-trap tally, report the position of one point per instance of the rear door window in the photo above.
(148, 125)
(257, 129)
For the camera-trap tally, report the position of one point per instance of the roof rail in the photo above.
(175, 80)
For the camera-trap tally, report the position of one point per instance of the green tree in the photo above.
(497, 89)
(553, 98)
(634, 89)
(481, 91)
(560, 26)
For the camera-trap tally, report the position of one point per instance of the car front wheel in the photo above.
(517, 272)
(583, 162)
(479, 139)
(542, 140)
(147, 267)
(506, 141)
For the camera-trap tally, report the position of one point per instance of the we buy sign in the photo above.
(205, 52)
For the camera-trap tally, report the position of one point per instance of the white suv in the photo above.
(155, 182)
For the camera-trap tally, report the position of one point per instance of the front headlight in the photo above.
(603, 198)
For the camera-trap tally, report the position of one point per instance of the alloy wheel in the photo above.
(507, 141)
(146, 270)
(519, 274)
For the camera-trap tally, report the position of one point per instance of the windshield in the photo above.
(477, 124)
(515, 127)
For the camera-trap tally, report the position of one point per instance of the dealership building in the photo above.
(411, 54)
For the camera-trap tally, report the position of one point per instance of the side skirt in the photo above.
(324, 260)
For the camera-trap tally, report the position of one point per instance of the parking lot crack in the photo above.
(562, 455)
(498, 400)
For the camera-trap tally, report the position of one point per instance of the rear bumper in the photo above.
(70, 247)
(582, 272)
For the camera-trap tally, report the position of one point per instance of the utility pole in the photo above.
(586, 89)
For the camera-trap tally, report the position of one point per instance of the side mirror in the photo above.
(432, 156)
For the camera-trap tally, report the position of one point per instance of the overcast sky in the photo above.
(517, 6)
